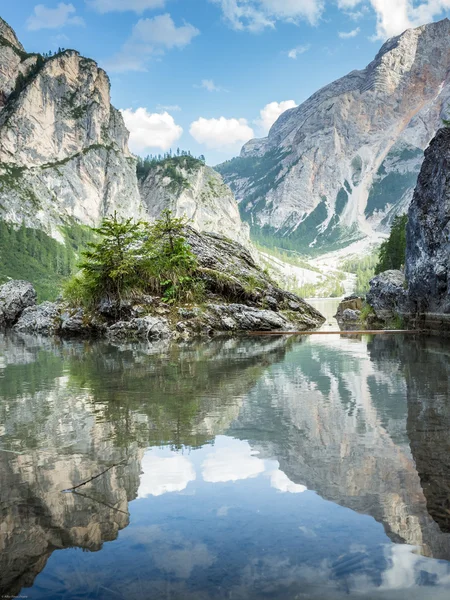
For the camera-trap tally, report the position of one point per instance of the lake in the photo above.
(252, 468)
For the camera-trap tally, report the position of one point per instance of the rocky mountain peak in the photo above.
(341, 165)
(8, 34)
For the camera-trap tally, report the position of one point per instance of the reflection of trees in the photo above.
(69, 410)
(164, 398)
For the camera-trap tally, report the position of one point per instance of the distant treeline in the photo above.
(182, 158)
(32, 255)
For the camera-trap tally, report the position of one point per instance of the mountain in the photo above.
(341, 165)
(63, 147)
(65, 164)
(189, 188)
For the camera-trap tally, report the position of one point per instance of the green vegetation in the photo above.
(34, 256)
(341, 200)
(393, 250)
(287, 256)
(366, 312)
(331, 288)
(388, 188)
(364, 269)
(132, 259)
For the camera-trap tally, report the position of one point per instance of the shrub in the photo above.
(132, 259)
(393, 250)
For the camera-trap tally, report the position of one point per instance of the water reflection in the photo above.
(246, 469)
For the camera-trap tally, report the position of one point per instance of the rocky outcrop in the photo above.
(190, 189)
(238, 296)
(428, 232)
(387, 295)
(344, 162)
(15, 297)
(348, 314)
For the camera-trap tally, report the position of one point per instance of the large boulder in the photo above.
(43, 319)
(428, 231)
(348, 314)
(387, 294)
(230, 272)
(15, 297)
(145, 328)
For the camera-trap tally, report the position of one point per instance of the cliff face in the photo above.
(344, 162)
(189, 188)
(64, 153)
(63, 147)
(428, 231)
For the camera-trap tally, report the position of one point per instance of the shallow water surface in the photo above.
(269, 467)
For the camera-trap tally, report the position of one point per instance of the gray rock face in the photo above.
(43, 319)
(428, 232)
(15, 297)
(348, 314)
(145, 328)
(238, 317)
(387, 294)
(230, 271)
(63, 147)
(203, 198)
(344, 162)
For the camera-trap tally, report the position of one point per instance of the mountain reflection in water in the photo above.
(246, 468)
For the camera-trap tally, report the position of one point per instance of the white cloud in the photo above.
(394, 16)
(150, 38)
(345, 35)
(270, 113)
(53, 18)
(281, 482)
(221, 133)
(348, 4)
(298, 50)
(234, 460)
(256, 15)
(210, 86)
(231, 460)
(150, 130)
(138, 6)
(161, 475)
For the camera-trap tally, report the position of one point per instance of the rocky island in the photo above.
(236, 296)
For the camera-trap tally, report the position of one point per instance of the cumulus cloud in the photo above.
(210, 86)
(150, 130)
(281, 482)
(345, 35)
(138, 6)
(150, 38)
(221, 133)
(394, 16)
(231, 460)
(161, 475)
(234, 460)
(256, 15)
(295, 52)
(270, 113)
(53, 18)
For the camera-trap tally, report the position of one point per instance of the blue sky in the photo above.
(207, 75)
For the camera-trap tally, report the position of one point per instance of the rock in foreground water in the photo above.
(15, 296)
